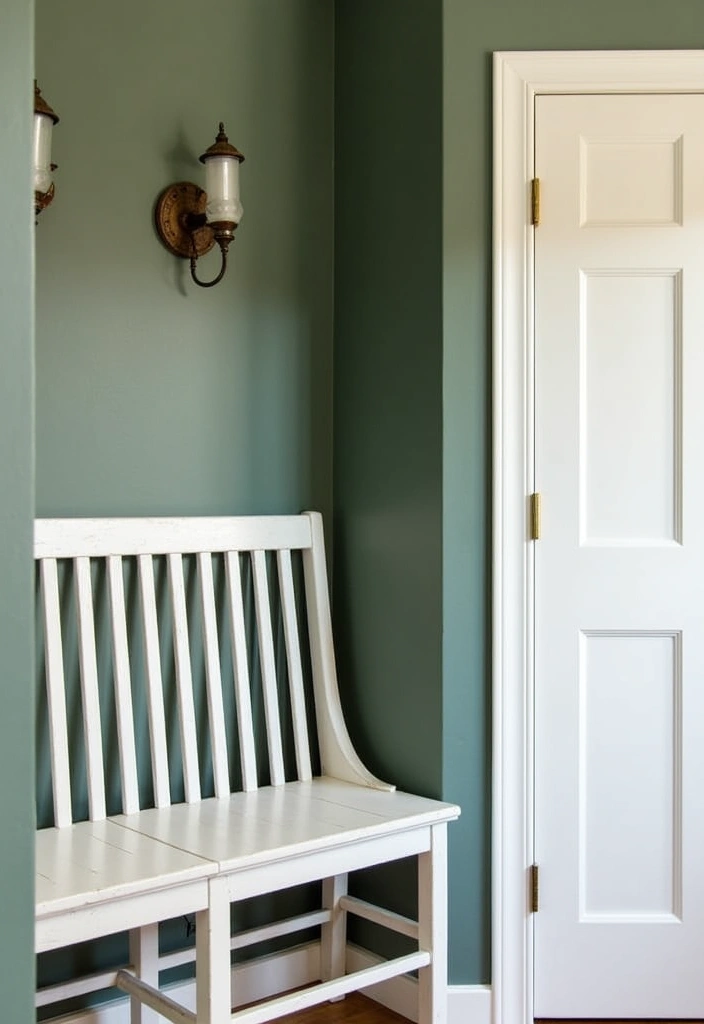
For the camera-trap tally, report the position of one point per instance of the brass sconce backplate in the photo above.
(180, 220)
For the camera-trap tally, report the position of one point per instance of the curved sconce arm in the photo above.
(224, 245)
(183, 228)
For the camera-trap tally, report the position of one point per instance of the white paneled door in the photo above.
(619, 568)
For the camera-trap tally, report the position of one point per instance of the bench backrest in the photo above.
(158, 589)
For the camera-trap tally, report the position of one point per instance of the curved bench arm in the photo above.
(338, 756)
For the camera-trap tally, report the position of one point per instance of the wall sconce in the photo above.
(44, 120)
(189, 221)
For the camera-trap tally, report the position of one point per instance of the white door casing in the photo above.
(519, 78)
(619, 591)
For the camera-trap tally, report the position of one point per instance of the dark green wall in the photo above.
(16, 509)
(154, 396)
(388, 397)
(412, 359)
(388, 382)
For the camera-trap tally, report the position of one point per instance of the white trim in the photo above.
(518, 79)
(269, 976)
(469, 1004)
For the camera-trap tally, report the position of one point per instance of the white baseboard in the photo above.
(280, 972)
(399, 994)
(466, 1004)
(469, 1004)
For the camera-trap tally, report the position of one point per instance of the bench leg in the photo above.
(333, 939)
(144, 957)
(432, 921)
(213, 1003)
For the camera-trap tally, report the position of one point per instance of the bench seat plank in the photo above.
(278, 822)
(396, 807)
(97, 861)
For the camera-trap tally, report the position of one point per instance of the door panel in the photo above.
(619, 569)
(629, 433)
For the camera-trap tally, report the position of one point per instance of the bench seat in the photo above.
(277, 823)
(97, 861)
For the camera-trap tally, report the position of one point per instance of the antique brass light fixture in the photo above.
(189, 221)
(44, 120)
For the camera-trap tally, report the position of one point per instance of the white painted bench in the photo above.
(162, 595)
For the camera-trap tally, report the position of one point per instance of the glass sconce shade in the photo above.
(43, 126)
(44, 120)
(222, 181)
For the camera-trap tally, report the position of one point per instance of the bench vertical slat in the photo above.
(89, 689)
(295, 672)
(248, 759)
(213, 676)
(155, 689)
(184, 680)
(268, 667)
(56, 696)
(123, 686)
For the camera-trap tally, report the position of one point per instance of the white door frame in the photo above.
(518, 79)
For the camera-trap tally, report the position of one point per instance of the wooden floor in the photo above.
(353, 1009)
(357, 1009)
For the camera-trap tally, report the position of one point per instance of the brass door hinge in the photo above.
(534, 891)
(535, 523)
(535, 202)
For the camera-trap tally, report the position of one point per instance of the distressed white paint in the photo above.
(56, 695)
(396, 922)
(144, 958)
(89, 689)
(213, 1002)
(155, 686)
(337, 754)
(184, 679)
(328, 991)
(293, 657)
(98, 538)
(123, 687)
(282, 972)
(213, 675)
(333, 935)
(130, 871)
(432, 927)
(248, 760)
(268, 666)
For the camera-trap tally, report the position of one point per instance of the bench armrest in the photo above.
(338, 756)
